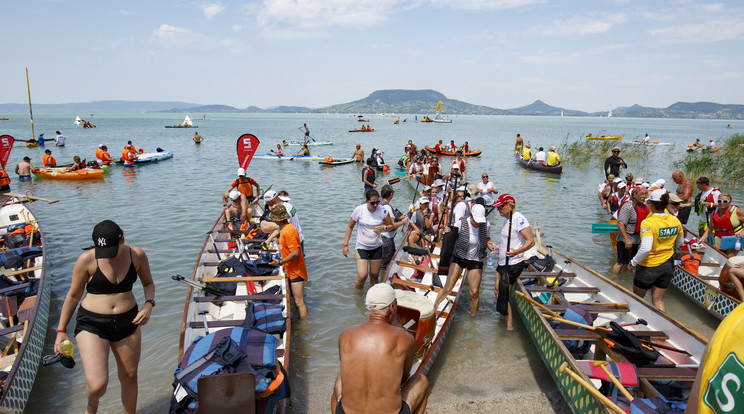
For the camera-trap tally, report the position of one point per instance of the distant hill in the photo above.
(115, 107)
(410, 102)
(401, 101)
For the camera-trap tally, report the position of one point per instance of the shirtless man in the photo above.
(684, 192)
(237, 207)
(23, 169)
(518, 144)
(358, 155)
(197, 138)
(376, 359)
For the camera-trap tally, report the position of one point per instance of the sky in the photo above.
(576, 54)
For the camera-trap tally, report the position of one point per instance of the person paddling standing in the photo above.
(108, 318)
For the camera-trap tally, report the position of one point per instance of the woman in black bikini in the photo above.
(108, 317)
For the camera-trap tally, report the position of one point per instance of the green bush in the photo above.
(724, 166)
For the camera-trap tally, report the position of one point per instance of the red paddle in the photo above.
(6, 144)
(246, 146)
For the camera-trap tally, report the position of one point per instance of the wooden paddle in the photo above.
(397, 179)
(30, 197)
(589, 387)
(603, 365)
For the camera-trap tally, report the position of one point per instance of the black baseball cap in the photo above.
(106, 237)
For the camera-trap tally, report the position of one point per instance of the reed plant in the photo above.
(724, 166)
(583, 153)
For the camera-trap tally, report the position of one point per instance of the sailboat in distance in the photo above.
(438, 118)
(609, 114)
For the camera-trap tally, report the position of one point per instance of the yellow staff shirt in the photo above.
(664, 229)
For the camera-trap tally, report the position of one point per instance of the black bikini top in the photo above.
(99, 284)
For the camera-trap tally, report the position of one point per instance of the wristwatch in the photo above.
(151, 302)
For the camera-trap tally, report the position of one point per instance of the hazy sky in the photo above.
(586, 55)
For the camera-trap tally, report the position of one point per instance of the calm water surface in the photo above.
(167, 208)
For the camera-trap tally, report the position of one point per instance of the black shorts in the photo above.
(296, 280)
(659, 276)
(468, 264)
(112, 328)
(624, 254)
(683, 214)
(404, 408)
(374, 254)
(514, 271)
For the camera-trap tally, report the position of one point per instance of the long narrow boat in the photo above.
(310, 144)
(703, 286)
(288, 157)
(604, 137)
(680, 348)
(558, 169)
(413, 278)
(475, 153)
(24, 304)
(60, 174)
(215, 317)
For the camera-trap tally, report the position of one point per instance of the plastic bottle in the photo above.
(67, 348)
(491, 260)
(737, 246)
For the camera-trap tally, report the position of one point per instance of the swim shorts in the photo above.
(374, 254)
(404, 408)
(624, 254)
(112, 328)
(296, 280)
(659, 276)
(514, 271)
(468, 264)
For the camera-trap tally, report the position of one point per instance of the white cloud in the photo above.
(578, 26)
(712, 30)
(182, 38)
(212, 9)
(484, 4)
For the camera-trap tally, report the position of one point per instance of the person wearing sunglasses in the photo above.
(613, 163)
(725, 221)
(373, 220)
(706, 202)
(486, 189)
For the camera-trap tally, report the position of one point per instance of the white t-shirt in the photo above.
(487, 196)
(366, 237)
(541, 156)
(60, 140)
(472, 253)
(519, 222)
(295, 219)
(460, 211)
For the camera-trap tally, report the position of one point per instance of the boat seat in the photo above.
(417, 267)
(546, 274)
(223, 393)
(403, 282)
(570, 289)
(670, 373)
(259, 296)
(14, 328)
(587, 335)
(592, 308)
(712, 278)
(12, 288)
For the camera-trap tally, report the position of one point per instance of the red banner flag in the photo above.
(247, 146)
(6, 144)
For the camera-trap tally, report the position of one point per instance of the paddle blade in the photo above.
(6, 144)
(246, 146)
(604, 228)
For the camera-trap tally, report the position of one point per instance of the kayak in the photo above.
(310, 144)
(147, 157)
(690, 148)
(336, 162)
(60, 173)
(452, 154)
(558, 169)
(653, 143)
(362, 130)
(605, 137)
(287, 157)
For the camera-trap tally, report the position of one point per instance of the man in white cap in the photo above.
(613, 163)
(422, 222)
(244, 185)
(661, 232)
(376, 358)
(237, 207)
(471, 247)
(272, 198)
(619, 197)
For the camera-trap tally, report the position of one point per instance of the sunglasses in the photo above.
(500, 207)
(374, 203)
(615, 152)
(485, 176)
(724, 201)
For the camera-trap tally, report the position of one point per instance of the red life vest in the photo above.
(726, 225)
(642, 212)
(616, 203)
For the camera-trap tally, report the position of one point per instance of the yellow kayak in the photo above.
(605, 137)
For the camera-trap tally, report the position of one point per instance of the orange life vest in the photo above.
(105, 157)
(48, 161)
(4, 179)
(127, 157)
(99, 154)
(244, 186)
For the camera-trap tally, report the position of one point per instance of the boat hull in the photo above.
(332, 163)
(60, 174)
(20, 380)
(452, 154)
(605, 137)
(544, 168)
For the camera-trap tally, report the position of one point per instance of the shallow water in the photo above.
(166, 208)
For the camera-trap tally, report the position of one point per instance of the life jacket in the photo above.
(99, 154)
(266, 316)
(81, 165)
(328, 159)
(642, 212)
(699, 208)
(4, 179)
(49, 161)
(127, 157)
(726, 225)
(629, 345)
(105, 157)
(616, 203)
(370, 174)
(465, 149)
(691, 262)
(244, 186)
(438, 149)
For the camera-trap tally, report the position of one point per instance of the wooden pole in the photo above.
(30, 111)
(589, 387)
(618, 384)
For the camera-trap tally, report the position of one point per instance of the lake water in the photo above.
(166, 208)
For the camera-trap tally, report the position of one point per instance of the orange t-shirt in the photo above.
(289, 241)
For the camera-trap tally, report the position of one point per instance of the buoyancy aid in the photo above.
(726, 225)
(48, 161)
(105, 157)
(99, 154)
(127, 157)
(4, 179)
(244, 186)
(642, 212)
(699, 207)
(616, 203)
